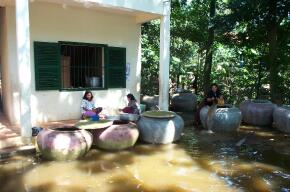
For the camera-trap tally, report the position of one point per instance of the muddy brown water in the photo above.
(198, 162)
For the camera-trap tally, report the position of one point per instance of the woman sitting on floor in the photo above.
(132, 107)
(88, 108)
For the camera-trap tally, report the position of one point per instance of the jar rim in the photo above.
(65, 129)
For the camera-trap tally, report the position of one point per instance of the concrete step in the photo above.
(6, 133)
(20, 150)
(11, 142)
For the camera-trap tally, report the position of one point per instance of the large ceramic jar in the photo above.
(257, 112)
(117, 137)
(184, 102)
(281, 117)
(226, 118)
(64, 143)
(160, 126)
(151, 102)
(94, 127)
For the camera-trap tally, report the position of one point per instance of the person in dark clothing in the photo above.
(212, 96)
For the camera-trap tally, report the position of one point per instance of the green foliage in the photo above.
(150, 58)
(241, 48)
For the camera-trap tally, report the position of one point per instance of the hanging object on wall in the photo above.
(127, 71)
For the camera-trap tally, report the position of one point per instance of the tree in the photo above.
(251, 43)
(258, 24)
(209, 48)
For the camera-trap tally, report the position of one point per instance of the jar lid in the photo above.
(159, 114)
(86, 124)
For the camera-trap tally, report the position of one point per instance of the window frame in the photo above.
(70, 43)
(106, 61)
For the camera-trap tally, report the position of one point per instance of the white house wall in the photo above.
(142, 6)
(53, 23)
(10, 91)
(150, 6)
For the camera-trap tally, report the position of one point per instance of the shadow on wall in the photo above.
(55, 106)
(141, 4)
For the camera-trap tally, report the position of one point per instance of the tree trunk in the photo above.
(272, 55)
(209, 50)
(258, 87)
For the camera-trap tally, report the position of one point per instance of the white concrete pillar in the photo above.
(24, 66)
(164, 57)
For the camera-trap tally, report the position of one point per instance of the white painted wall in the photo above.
(142, 6)
(151, 6)
(8, 65)
(52, 23)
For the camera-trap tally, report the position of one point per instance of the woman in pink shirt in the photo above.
(88, 108)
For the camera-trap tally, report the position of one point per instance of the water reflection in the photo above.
(199, 162)
(146, 168)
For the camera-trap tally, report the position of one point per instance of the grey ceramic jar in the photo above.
(158, 128)
(227, 118)
(257, 112)
(281, 118)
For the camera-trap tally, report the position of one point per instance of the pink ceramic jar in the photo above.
(64, 143)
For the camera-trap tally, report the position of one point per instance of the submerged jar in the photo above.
(281, 118)
(67, 143)
(116, 137)
(184, 101)
(160, 127)
(224, 118)
(257, 112)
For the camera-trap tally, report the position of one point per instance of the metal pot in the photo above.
(95, 82)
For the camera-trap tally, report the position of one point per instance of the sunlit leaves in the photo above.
(240, 46)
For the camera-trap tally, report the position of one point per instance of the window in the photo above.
(82, 66)
(75, 66)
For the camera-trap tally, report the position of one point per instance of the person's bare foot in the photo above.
(207, 131)
(197, 126)
(103, 116)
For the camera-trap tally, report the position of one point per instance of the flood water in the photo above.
(198, 162)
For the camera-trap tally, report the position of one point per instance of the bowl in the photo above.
(113, 117)
(128, 117)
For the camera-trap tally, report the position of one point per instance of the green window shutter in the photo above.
(47, 65)
(116, 67)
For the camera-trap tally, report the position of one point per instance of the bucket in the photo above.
(142, 107)
(95, 82)
(95, 118)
